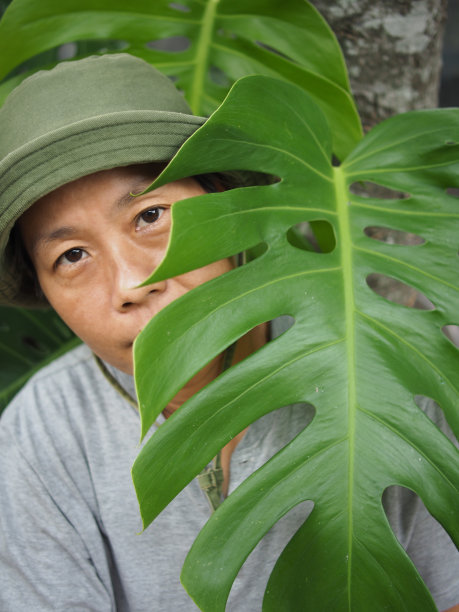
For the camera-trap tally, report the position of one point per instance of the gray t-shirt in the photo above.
(69, 520)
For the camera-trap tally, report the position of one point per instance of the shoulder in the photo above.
(65, 382)
(66, 407)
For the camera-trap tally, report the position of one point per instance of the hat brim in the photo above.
(82, 148)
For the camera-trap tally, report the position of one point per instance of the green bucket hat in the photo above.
(78, 118)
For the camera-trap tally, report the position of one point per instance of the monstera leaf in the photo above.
(215, 42)
(358, 358)
(28, 340)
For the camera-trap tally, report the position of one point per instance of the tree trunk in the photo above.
(393, 50)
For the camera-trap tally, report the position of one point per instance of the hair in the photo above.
(21, 267)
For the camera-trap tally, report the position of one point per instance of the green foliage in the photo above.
(222, 41)
(358, 358)
(28, 341)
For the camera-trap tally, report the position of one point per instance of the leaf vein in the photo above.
(409, 345)
(409, 442)
(409, 266)
(259, 145)
(397, 211)
(262, 380)
(392, 145)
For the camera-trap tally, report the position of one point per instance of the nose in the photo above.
(129, 270)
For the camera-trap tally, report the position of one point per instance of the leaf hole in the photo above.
(251, 254)
(171, 44)
(314, 236)
(67, 51)
(261, 557)
(397, 292)
(261, 335)
(395, 497)
(177, 6)
(217, 76)
(393, 236)
(223, 33)
(452, 333)
(281, 324)
(368, 189)
(434, 412)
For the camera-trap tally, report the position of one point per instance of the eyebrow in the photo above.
(44, 240)
(67, 231)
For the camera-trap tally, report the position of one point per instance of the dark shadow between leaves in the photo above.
(397, 292)
(368, 189)
(392, 236)
(32, 343)
(452, 333)
(171, 44)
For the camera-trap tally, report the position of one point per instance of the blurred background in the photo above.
(449, 87)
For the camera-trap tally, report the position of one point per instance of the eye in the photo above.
(71, 256)
(151, 215)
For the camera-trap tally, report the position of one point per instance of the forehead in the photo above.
(108, 191)
(114, 177)
(131, 179)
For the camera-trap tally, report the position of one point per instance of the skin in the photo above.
(92, 244)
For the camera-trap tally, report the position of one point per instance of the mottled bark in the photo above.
(393, 50)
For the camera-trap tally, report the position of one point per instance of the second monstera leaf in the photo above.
(203, 46)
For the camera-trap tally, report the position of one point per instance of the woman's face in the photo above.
(92, 244)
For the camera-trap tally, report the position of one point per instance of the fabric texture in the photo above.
(70, 526)
(78, 118)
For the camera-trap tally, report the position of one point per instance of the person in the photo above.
(78, 142)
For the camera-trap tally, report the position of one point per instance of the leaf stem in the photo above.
(342, 206)
(202, 54)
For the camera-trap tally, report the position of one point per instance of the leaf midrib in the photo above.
(342, 206)
(202, 53)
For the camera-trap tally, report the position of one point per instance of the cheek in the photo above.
(79, 310)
